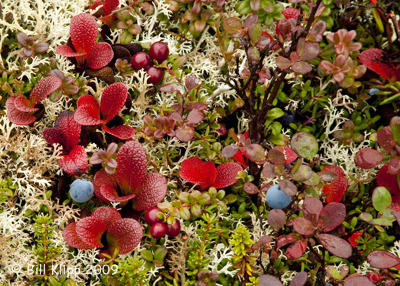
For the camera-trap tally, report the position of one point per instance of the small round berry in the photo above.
(276, 198)
(159, 51)
(140, 60)
(373, 90)
(374, 277)
(174, 229)
(81, 190)
(158, 230)
(151, 216)
(156, 75)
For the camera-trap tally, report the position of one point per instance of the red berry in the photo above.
(174, 229)
(156, 75)
(151, 216)
(158, 230)
(159, 51)
(140, 60)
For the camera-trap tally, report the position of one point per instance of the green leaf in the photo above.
(304, 144)
(159, 254)
(275, 113)
(381, 199)
(147, 255)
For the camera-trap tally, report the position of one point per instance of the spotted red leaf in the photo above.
(382, 259)
(67, 51)
(16, 116)
(88, 111)
(24, 105)
(291, 13)
(132, 165)
(297, 249)
(151, 191)
(90, 229)
(107, 215)
(70, 130)
(335, 245)
(87, 99)
(368, 158)
(124, 234)
(226, 174)
(196, 171)
(72, 239)
(112, 100)
(75, 162)
(371, 58)
(335, 190)
(99, 56)
(241, 157)
(44, 88)
(103, 178)
(111, 194)
(383, 178)
(83, 31)
(123, 132)
(331, 216)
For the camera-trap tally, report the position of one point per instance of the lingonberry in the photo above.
(140, 60)
(174, 229)
(158, 230)
(151, 216)
(156, 75)
(159, 51)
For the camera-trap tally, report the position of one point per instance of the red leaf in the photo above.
(297, 249)
(53, 135)
(299, 279)
(24, 105)
(269, 280)
(394, 166)
(16, 116)
(195, 116)
(124, 234)
(88, 114)
(83, 31)
(111, 194)
(385, 138)
(395, 205)
(99, 56)
(335, 245)
(103, 178)
(382, 259)
(276, 219)
(284, 240)
(109, 6)
(76, 162)
(72, 239)
(44, 88)
(107, 215)
(184, 133)
(331, 216)
(87, 99)
(383, 178)
(291, 13)
(123, 132)
(241, 157)
(112, 100)
(151, 191)
(357, 280)
(337, 188)
(68, 52)
(368, 158)
(90, 229)
(311, 209)
(132, 165)
(70, 130)
(226, 175)
(303, 226)
(290, 155)
(371, 59)
(196, 171)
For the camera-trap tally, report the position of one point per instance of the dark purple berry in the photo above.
(156, 75)
(158, 230)
(151, 216)
(159, 51)
(174, 229)
(140, 60)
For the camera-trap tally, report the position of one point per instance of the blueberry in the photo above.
(276, 198)
(287, 118)
(81, 190)
(372, 91)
